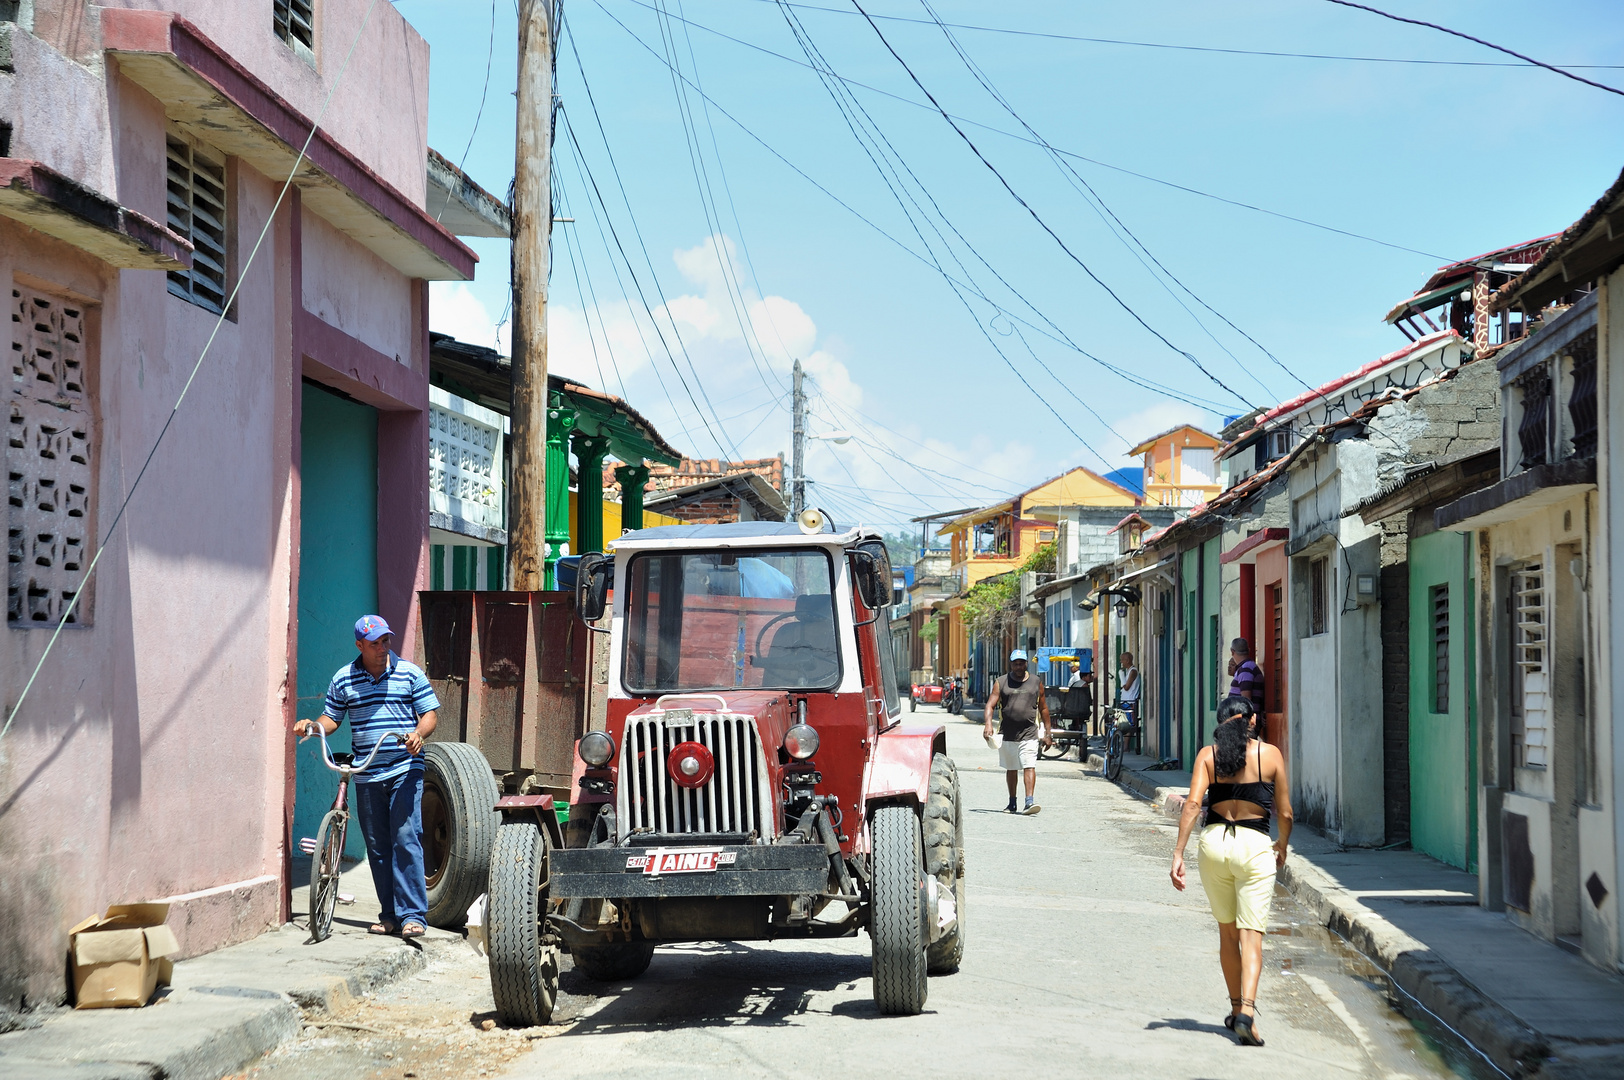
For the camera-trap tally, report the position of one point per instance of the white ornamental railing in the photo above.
(465, 460)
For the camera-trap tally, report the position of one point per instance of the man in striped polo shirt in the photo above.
(382, 694)
(1247, 681)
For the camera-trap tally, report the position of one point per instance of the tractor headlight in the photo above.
(596, 748)
(801, 741)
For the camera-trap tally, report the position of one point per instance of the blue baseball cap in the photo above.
(1018, 654)
(371, 628)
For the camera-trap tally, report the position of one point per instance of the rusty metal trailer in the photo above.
(518, 686)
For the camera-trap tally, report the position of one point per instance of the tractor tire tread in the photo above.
(470, 790)
(944, 850)
(897, 926)
(524, 964)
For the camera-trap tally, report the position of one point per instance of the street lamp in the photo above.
(839, 438)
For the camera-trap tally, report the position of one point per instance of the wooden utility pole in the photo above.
(798, 445)
(532, 222)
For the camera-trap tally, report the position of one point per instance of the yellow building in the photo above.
(999, 538)
(1181, 467)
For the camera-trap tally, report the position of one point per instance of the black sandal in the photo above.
(1229, 1021)
(1243, 1026)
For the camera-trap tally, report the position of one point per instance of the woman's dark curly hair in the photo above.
(1229, 741)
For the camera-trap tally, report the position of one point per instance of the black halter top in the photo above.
(1257, 792)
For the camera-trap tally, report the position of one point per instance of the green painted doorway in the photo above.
(338, 575)
(1443, 713)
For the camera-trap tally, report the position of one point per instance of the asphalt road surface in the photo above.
(1081, 961)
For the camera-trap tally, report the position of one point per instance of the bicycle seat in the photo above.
(343, 759)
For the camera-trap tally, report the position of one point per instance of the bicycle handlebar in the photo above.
(327, 754)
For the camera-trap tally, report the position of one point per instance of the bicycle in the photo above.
(326, 848)
(1116, 728)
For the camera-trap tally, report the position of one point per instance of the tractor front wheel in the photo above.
(524, 957)
(944, 860)
(896, 927)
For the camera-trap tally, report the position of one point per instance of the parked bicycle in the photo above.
(326, 848)
(1118, 729)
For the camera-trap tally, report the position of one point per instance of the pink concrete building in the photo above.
(142, 149)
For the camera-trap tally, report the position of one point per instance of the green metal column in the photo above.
(632, 480)
(560, 422)
(590, 451)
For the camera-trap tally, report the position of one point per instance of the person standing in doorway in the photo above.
(1023, 704)
(383, 695)
(1246, 677)
(1128, 692)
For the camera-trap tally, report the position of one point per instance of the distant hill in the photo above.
(1132, 479)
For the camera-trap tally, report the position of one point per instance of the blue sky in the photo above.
(1447, 160)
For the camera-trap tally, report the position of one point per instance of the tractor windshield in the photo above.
(723, 620)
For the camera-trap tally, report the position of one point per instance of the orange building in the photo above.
(1181, 467)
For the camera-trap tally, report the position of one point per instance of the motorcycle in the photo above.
(953, 696)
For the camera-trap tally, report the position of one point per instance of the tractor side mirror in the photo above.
(874, 574)
(592, 579)
(871, 586)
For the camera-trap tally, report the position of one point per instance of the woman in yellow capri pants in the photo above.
(1243, 779)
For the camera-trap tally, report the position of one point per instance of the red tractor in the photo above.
(754, 781)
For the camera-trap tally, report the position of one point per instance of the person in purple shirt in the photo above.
(1247, 677)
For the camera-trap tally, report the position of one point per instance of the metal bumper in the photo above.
(621, 873)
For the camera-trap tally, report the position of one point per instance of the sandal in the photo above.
(1243, 1026)
(381, 928)
(1229, 1021)
(413, 929)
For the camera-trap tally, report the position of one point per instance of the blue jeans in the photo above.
(391, 816)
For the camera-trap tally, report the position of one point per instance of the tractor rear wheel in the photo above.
(896, 926)
(524, 957)
(615, 962)
(944, 860)
(459, 825)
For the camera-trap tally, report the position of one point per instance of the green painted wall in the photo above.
(1190, 697)
(1442, 817)
(338, 575)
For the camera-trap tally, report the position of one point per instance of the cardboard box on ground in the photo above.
(122, 957)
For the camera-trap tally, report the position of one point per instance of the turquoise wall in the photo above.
(1442, 742)
(338, 575)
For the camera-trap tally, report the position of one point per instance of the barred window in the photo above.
(48, 461)
(197, 211)
(1530, 700)
(293, 21)
(1319, 595)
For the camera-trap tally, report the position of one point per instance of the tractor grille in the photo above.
(736, 800)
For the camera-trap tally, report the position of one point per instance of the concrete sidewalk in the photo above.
(1532, 1009)
(226, 1009)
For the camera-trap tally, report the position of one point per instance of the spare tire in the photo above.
(459, 826)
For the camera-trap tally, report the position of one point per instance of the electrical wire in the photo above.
(1101, 207)
(1039, 219)
(1054, 334)
(1239, 204)
(242, 275)
(490, 51)
(1479, 41)
(638, 232)
(648, 309)
(1208, 48)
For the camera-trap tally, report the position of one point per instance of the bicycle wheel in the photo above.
(325, 863)
(1113, 755)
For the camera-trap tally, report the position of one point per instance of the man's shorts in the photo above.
(1018, 754)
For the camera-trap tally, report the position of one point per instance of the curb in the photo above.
(199, 1032)
(1511, 1046)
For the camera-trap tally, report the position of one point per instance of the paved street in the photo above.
(1082, 961)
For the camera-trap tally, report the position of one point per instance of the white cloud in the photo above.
(747, 383)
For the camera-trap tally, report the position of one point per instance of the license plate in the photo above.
(680, 861)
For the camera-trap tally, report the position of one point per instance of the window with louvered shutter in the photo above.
(197, 211)
(1530, 733)
(294, 21)
(1440, 649)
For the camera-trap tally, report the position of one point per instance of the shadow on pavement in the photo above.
(718, 985)
(1184, 1023)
